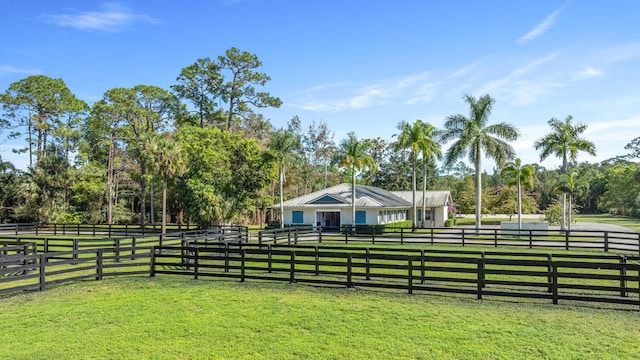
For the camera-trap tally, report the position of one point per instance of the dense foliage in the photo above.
(201, 153)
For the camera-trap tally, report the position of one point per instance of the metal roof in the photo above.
(435, 198)
(366, 196)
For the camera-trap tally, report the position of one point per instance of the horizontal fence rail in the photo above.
(93, 229)
(552, 277)
(39, 271)
(550, 239)
(33, 263)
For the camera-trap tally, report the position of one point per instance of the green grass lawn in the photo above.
(178, 318)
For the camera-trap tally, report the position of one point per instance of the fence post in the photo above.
(196, 263)
(623, 275)
(606, 241)
(78, 232)
(46, 246)
(401, 236)
(270, 258)
(25, 247)
(410, 277)
(367, 264)
(530, 239)
(64, 229)
(480, 276)
(260, 238)
(133, 247)
(93, 230)
(117, 246)
(484, 274)
(317, 258)
(37, 227)
(566, 240)
(463, 237)
(422, 271)
(554, 283)
(152, 268)
(243, 254)
(289, 237)
(109, 230)
(349, 271)
(75, 251)
(43, 261)
(550, 272)
(55, 229)
(99, 262)
(292, 268)
(226, 257)
(320, 235)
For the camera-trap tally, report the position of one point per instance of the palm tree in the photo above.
(564, 141)
(568, 186)
(473, 136)
(418, 137)
(354, 157)
(168, 162)
(284, 145)
(519, 176)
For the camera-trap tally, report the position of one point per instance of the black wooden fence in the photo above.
(550, 239)
(88, 229)
(555, 277)
(29, 262)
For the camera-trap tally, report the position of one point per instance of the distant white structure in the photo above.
(331, 207)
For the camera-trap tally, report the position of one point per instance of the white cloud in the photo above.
(541, 28)
(596, 128)
(8, 69)
(112, 18)
(412, 87)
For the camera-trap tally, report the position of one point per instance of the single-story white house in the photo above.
(331, 207)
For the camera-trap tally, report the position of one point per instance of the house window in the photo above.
(361, 217)
(298, 217)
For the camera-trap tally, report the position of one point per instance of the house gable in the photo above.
(327, 199)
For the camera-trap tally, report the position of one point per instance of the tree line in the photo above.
(201, 152)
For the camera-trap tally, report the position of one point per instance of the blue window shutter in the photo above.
(298, 217)
(361, 217)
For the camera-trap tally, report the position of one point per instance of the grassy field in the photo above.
(176, 318)
(179, 318)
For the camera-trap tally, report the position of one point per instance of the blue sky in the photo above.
(359, 65)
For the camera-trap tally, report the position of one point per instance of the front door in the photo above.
(328, 220)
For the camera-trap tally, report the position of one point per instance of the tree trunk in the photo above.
(110, 183)
(478, 191)
(413, 187)
(564, 197)
(281, 196)
(519, 205)
(424, 193)
(143, 195)
(569, 211)
(152, 212)
(164, 206)
(353, 200)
